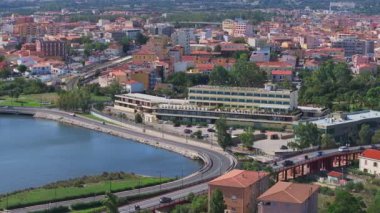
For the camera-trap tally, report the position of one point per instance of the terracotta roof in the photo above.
(282, 72)
(238, 178)
(273, 64)
(371, 153)
(335, 174)
(288, 192)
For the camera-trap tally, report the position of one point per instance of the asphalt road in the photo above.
(217, 162)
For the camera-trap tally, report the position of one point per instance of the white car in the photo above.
(343, 149)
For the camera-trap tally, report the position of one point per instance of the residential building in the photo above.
(143, 56)
(52, 47)
(269, 98)
(335, 178)
(282, 75)
(262, 55)
(342, 125)
(369, 161)
(237, 27)
(133, 102)
(289, 197)
(41, 69)
(240, 189)
(160, 29)
(182, 37)
(354, 46)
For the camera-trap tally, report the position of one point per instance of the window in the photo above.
(233, 197)
(374, 164)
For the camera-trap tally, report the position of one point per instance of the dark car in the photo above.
(165, 200)
(287, 163)
(189, 125)
(137, 207)
(361, 148)
(187, 131)
(210, 130)
(320, 153)
(306, 157)
(374, 147)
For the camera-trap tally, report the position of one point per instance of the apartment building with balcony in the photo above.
(268, 98)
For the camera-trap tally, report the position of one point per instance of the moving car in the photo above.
(343, 149)
(320, 153)
(287, 163)
(165, 200)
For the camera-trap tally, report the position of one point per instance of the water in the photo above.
(35, 152)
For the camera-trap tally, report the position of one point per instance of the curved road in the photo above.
(217, 162)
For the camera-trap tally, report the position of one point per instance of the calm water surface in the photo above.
(35, 152)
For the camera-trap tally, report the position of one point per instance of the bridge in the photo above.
(198, 23)
(314, 162)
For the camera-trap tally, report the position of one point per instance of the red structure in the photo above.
(314, 165)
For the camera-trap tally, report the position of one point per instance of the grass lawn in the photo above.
(96, 98)
(45, 195)
(323, 201)
(41, 100)
(33, 100)
(93, 117)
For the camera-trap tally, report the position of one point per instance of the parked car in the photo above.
(210, 130)
(137, 208)
(189, 125)
(343, 149)
(287, 163)
(165, 200)
(187, 131)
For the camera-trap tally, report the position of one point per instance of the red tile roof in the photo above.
(282, 72)
(288, 192)
(238, 178)
(335, 174)
(371, 153)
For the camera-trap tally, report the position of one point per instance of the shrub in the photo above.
(326, 191)
(81, 206)
(59, 209)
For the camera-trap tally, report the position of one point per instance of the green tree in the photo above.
(2, 58)
(327, 141)
(217, 204)
(113, 89)
(218, 48)
(306, 135)
(5, 73)
(247, 74)
(346, 203)
(220, 76)
(224, 138)
(126, 43)
(247, 137)
(199, 204)
(375, 205)
(22, 68)
(376, 137)
(110, 202)
(138, 118)
(365, 134)
(142, 39)
(373, 97)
